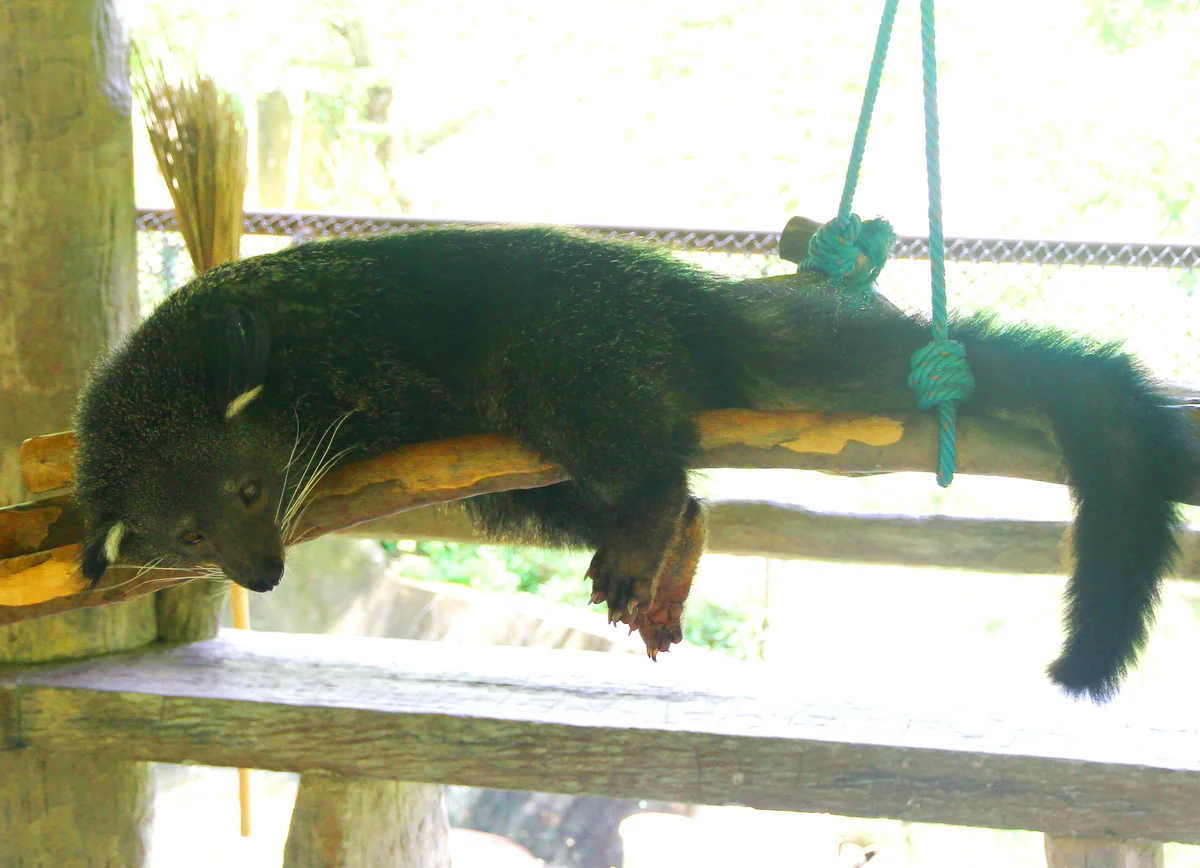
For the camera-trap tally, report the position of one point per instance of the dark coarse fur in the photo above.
(596, 354)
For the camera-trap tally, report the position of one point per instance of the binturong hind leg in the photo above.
(648, 540)
(661, 625)
(616, 414)
(633, 547)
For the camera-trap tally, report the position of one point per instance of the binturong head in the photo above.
(212, 504)
(178, 463)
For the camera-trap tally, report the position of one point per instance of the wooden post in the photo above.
(190, 613)
(343, 822)
(68, 285)
(1102, 853)
(71, 809)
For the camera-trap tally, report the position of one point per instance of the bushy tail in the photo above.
(1128, 458)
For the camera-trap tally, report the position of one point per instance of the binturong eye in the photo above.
(250, 492)
(192, 537)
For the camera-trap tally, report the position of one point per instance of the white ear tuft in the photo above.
(112, 542)
(240, 403)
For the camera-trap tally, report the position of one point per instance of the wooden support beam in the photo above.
(1090, 853)
(72, 809)
(778, 530)
(701, 732)
(342, 822)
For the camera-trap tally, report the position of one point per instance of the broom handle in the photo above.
(240, 603)
(194, 116)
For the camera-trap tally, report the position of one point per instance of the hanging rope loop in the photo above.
(853, 252)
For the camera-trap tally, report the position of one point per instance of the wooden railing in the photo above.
(612, 725)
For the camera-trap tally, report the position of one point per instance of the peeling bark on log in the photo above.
(47, 461)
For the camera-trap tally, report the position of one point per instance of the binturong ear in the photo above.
(236, 350)
(102, 549)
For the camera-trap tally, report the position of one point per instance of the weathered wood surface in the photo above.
(344, 822)
(72, 809)
(615, 725)
(1091, 853)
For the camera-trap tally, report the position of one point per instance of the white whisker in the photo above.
(287, 468)
(314, 470)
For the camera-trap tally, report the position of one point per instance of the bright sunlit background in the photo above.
(1074, 119)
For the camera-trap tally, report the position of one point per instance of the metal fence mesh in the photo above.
(1139, 293)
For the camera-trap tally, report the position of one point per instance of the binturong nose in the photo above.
(266, 574)
(250, 551)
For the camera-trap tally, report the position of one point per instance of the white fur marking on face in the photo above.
(112, 542)
(239, 403)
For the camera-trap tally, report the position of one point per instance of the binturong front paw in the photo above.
(651, 600)
(624, 581)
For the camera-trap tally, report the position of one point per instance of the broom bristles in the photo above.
(198, 134)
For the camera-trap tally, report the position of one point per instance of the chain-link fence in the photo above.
(1140, 293)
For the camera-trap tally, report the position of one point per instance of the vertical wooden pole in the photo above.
(68, 286)
(343, 822)
(240, 601)
(1102, 853)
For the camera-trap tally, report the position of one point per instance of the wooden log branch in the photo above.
(39, 540)
(703, 732)
(777, 530)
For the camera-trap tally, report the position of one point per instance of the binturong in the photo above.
(200, 436)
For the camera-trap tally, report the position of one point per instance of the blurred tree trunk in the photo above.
(68, 286)
(274, 142)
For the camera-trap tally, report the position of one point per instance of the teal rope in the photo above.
(836, 246)
(940, 374)
(874, 77)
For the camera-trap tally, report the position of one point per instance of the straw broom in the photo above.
(198, 134)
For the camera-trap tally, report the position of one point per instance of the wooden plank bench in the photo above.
(614, 725)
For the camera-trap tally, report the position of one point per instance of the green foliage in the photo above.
(1124, 24)
(732, 623)
(736, 629)
(557, 576)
